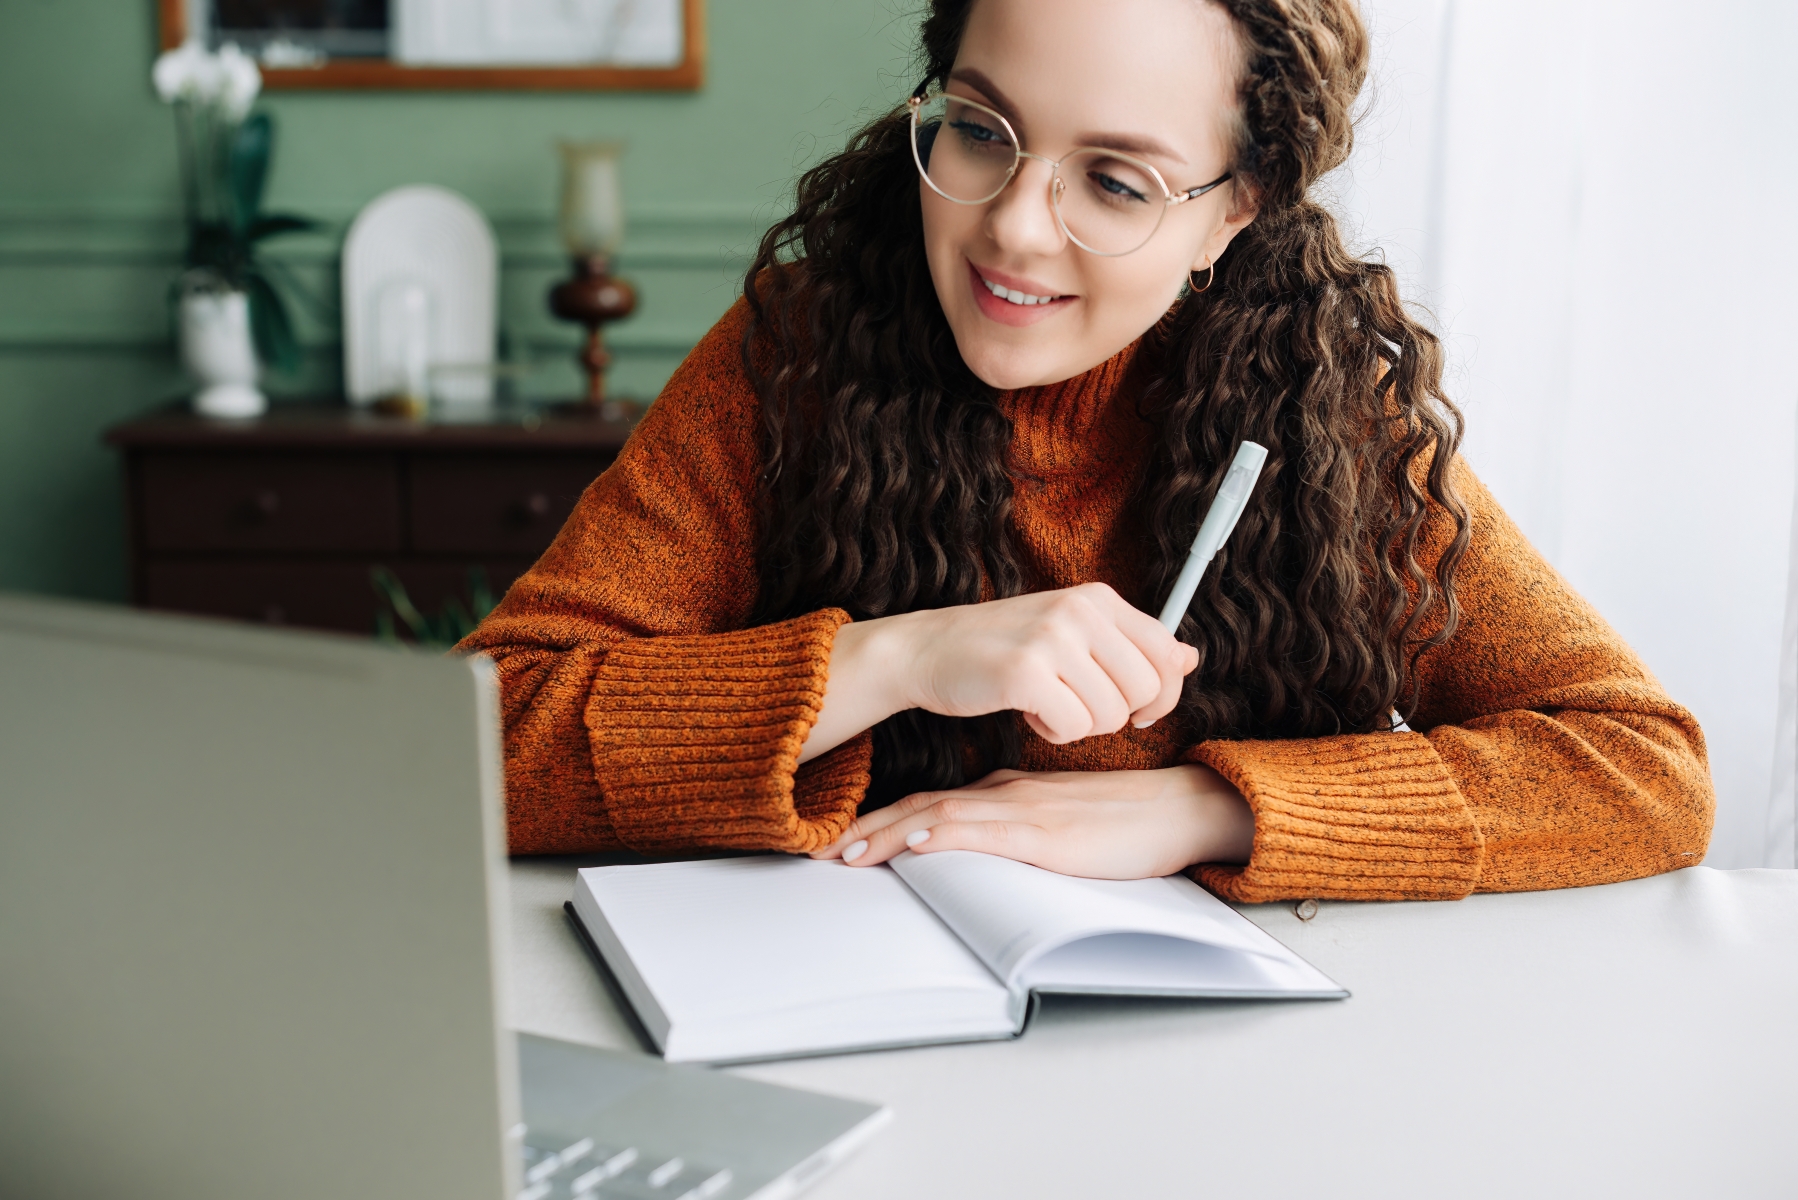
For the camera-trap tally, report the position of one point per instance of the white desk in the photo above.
(1633, 1040)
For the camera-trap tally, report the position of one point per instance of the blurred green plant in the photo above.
(225, 151)
(440, 631)
(224, 169)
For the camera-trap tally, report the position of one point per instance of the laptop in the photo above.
(253, 909)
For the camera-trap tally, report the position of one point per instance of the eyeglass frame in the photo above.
(1058, 185)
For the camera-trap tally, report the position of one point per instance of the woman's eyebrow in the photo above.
(991, 91)
(1129, 143)
(1123, 143)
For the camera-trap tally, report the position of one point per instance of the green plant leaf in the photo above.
(325, 309)
(275, 224)
(389, 588)
(269, 323)
(453, 622)
(247, 167)
(480, 595)
(213, 245)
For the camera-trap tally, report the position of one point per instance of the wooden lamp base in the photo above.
(592, 298)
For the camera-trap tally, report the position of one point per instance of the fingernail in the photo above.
(1142, 724)
(855, 850)
(917, 837)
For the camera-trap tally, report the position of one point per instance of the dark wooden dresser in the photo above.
(281, 519)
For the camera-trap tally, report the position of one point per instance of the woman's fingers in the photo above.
(865, 826)
(942, 826)
(1137, 678)
(1080, 674)
(1058, 711)
(1160, 706)
(992, 779)
(1172, 682)
(1010, 839)
(1171, 659)
(1147, 662)
(1075, 662)
(1101, 690)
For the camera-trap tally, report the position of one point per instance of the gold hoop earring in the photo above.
(1192, 278)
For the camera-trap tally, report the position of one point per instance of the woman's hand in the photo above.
(1100, 824)
(1075, 662)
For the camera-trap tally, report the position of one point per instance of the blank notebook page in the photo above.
(1010, 911)
(769, 933)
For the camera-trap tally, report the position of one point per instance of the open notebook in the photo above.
(729, 960)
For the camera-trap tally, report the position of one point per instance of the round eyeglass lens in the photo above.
(1108, 203)
(966, 151)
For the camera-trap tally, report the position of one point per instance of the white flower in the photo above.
(227, 80)
(184, 73)
(238, 81)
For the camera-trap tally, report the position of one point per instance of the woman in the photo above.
(885, 542)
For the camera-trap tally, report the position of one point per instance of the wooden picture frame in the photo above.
(378, 73)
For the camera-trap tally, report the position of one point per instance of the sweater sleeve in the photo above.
(638, 711)
(1547, 757)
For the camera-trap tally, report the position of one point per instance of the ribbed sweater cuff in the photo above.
(1362, 817)
(696, 740)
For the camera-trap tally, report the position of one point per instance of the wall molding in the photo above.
(656, 236)
(99, 279)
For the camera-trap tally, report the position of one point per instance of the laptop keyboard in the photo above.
(587, 1170)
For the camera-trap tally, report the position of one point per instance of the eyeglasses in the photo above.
(1106, 202)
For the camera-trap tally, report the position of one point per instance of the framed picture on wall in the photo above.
(541, 45)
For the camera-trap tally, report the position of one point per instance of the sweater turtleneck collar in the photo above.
(1060, 427)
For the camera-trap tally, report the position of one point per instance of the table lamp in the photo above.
(592, 228)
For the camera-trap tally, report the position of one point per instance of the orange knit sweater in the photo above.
(641, 714)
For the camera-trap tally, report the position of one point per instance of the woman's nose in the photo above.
(1020, 218)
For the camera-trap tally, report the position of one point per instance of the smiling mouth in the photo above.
(1012, 295)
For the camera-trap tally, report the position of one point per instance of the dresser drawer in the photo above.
(212, 502)
(495, 504)
(327, 594)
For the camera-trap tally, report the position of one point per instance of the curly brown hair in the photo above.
(886, 488)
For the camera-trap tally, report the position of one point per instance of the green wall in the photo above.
(90, 223)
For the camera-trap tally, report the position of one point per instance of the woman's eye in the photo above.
(1111, 185)
(974, 131)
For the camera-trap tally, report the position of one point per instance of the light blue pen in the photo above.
(1220, 519)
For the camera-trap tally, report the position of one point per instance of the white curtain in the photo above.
(1597, 200)
(1782, 814)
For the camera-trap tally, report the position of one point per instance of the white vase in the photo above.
(219, 352)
